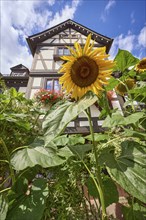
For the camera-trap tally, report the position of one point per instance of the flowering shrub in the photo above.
(45, 96)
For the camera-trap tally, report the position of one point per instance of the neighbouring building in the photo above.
(18, 78)
(46, 48)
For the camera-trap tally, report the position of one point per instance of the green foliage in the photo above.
(31, 203)
(110, 190)
(117, 119)
(124, 59)
(136, 212)
(3, 207)
(129, 168)
(81, 150)
(18, 122)
(37, 154)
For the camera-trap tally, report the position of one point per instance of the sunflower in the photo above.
(85, 69)
(141, 66)
(122, 88)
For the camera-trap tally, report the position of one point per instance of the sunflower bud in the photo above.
(122, 88)
(141, 66)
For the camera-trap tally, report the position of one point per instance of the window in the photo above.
(53, 84)
(63, 51)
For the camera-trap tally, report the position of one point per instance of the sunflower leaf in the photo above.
(81, 149)
(38, 155)
(31, 204)
(129, 168)
(117, 119)
(57, 121)
(124, 59)
(3, 207)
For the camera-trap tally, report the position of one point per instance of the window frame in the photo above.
(53, 84)
(63, 51)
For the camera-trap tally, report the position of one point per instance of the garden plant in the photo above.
(47, 174)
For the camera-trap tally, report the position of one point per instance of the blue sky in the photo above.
(122, 20)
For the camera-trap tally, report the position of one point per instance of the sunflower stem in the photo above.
(129, 95)
(98, 169)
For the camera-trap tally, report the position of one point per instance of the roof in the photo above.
(35, 39)
(18, 67)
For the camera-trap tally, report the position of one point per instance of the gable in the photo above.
(68, 37)
(19, 67)
(67, 28)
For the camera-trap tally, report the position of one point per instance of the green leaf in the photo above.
(92, 190)
(3, 207)
(38, 155)
(75, 139)
(124, 59)
(97, 137)
(30, 205)
(64, 140)
(81, 150)
(117, 119)
(57, 120)
(131, 133)
(135, 212)
(13, 92)
(112, 82)
(61, 140)
(65, 152)
(110, 190)
(142, 76)
(114, 120)
(128, 169)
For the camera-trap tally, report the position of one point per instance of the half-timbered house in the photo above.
(47, 47)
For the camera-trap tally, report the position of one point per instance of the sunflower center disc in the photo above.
(84, 71)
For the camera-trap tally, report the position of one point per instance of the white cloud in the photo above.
(66, 13)
(131, 42)
(132, 18)
(142, 37)
(51, 2)
(23, 18)
(109, 5)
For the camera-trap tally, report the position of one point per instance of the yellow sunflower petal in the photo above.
(68, 58)
(86, 47)
(73, 52)
(97, 51)
(78, 49)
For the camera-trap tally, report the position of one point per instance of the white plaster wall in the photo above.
(47, 53)
(36, 81)
(22, 89)
(33, 91)
(39, 65)
(48, 63)
(71, 124)
(58, 64)
(94, 111)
